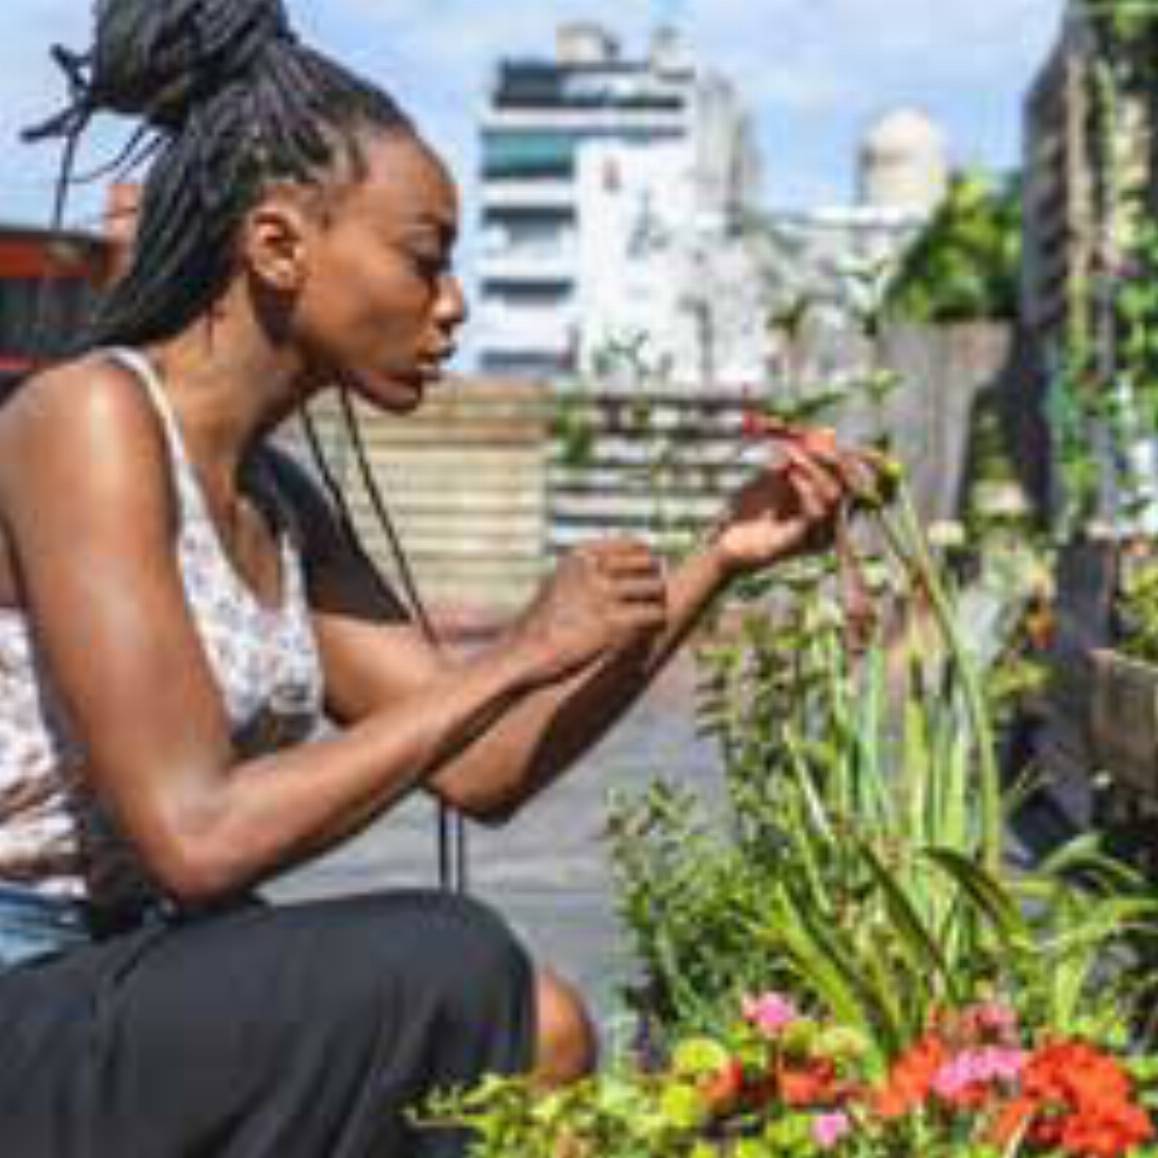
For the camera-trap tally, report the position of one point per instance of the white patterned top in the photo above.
(54, 835)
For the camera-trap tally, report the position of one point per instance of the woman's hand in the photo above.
(793, 505)
(606, 598)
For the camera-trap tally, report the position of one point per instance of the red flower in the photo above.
(910, 1080)
(753, 424)
(808, 1083)
(723, 1090)
(1078, 1099)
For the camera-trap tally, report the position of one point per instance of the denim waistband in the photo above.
(66, 912)
(33, 924)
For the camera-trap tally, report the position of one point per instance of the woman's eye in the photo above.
(430, 264)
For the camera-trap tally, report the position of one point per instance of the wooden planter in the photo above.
(1123, 735)
(1124, 721)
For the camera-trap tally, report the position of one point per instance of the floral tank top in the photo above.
(54, 835)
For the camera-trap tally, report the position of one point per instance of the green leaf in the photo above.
(985, 891)
(696, 1057)
(913, 937)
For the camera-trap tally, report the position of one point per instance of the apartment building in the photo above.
(601, 174)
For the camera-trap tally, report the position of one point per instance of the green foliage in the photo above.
(965, 264)
(1136, 609)
(1112, 393)
(1105, 400)
(573, 430)
(1126, 31)
(857, 865)
(1137, 308)
(1073, 411)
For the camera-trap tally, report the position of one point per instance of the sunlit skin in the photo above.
(349, 279)
(381, 305)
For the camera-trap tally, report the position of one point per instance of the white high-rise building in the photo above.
(608, 185)
(904, 163)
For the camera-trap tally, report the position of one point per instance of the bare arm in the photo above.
(373, 656)
(98, 578)
(371, 663)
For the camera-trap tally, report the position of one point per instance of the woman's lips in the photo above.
(433, 365)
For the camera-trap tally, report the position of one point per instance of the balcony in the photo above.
(548, 328)
(546, 193)
(543, 259)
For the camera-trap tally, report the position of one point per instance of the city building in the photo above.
(828, 266)
(904, 164)
(603, 177)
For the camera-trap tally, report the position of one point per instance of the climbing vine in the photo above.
(1104, 408)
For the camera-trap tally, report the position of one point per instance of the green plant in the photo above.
(964, 265)
(859, 870)
(1136, 607)
(778, 1082)
(862, 849)
(1103, 396)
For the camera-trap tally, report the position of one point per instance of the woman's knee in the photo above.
(566, 1047)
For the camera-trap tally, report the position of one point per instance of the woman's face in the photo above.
(380, 306)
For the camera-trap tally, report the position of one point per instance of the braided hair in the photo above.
(232, 102)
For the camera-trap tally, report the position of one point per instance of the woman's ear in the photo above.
(275, 244)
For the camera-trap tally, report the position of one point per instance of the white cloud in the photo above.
(815, 71)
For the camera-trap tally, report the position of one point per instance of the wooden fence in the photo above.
(462, 479)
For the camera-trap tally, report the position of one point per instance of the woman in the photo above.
(179, 606)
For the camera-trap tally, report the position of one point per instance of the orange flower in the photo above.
(723, 1089)
(1013, 1120)
(911, 1078)
(1107, 1132)
(810, 1083)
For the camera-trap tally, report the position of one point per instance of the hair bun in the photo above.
(158, 58)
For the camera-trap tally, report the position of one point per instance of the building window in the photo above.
(530, 155)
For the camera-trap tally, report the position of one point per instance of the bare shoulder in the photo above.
(89, 402)
(79, 438)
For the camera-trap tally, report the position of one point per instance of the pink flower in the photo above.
(769, 1013)
(828, 1129)
(998, 1019)
(972, 1069)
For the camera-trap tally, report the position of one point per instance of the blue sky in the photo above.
(815, 72)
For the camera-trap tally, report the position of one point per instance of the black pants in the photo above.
(296, 1031)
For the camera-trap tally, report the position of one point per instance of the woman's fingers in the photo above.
(818, 489)
(626, 558)
(646, 617)
(631, 580)
(858, 469)
(851, 470)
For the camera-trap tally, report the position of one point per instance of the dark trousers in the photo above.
(296, 1031)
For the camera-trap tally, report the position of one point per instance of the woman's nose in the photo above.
(451, 309)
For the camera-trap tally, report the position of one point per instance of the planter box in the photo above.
(1124, 721)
